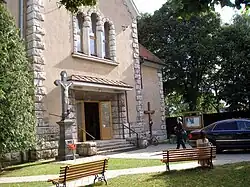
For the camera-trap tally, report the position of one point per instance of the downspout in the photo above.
(21, 10)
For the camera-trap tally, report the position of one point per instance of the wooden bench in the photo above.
(178, 155)
(78, 171)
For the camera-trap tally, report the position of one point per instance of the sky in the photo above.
(151, 5)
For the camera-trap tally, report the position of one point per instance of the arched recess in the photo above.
(110, 39)
(94, 35)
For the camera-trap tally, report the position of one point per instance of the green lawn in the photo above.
(29, 184)
(231, 175)
(48, 168)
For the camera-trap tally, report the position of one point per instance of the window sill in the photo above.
(94, 59)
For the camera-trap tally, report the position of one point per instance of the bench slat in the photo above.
(83, 168)
(186, 159)
(175, 155)
(189, 154)
(86, 171)
(85, 164)
(80, 175)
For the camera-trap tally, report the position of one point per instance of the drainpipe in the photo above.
(21, 17)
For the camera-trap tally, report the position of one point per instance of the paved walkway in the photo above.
(152, 152)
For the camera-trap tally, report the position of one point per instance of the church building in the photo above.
(114, 78)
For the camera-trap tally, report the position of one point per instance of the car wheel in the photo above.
(218, 149)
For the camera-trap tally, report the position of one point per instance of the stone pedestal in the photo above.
(65, 138)
(87, 148)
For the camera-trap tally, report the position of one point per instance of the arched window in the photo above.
(106, 47)
(92, 35)
(79, 36)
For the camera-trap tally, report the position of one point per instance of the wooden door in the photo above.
(81, 122)
(105, 120)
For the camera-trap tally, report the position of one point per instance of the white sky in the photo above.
(151, 5)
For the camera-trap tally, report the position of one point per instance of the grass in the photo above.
(50, 168)
(30, 169)
(230, 175)
(117, 163)
(28, 184)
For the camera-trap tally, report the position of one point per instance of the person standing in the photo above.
(179, 133)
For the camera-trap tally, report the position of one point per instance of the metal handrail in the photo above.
(93, 138)
(137, 135)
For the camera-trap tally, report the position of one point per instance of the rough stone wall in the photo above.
(119, 113)
(163, 121)
(47, 136)
(137, 125)
(137, 76)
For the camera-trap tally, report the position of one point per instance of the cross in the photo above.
(149, 112)
(65, 85)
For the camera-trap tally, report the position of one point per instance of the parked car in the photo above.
(225, 134)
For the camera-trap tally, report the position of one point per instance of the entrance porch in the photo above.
(100, 108)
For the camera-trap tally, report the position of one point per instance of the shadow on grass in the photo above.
(25, 165)
(93, 185)
(169, 175)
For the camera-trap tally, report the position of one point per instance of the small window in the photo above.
(92, 35)
(106, 45)
(79, 33)
(243, 125)
(209, 127)
(226, 126)
(247, 125)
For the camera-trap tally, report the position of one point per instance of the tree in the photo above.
(175, 105)
(17, 120)
(186, 47)
(233, 46)
(73, 5)
(190, 7)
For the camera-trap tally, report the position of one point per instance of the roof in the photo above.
(147, 55)
(132, 8)
(100, 81)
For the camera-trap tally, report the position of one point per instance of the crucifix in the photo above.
(66, 134)
(149, 112)
(65, 85)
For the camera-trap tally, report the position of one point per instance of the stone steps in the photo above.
(108, 146)
(117, 150)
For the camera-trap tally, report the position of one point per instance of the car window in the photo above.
(243, 125)
(209, 127)
(226, 126)
(247, 125)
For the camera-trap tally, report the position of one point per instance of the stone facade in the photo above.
(47, 136)
(162, 98)
(162, 133)
(59, 29)
(137, 76)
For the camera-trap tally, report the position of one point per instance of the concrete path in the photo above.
(152, 152)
